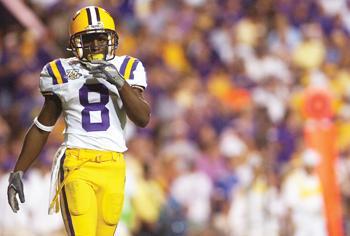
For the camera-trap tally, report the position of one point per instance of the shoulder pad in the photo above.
(51, 75)
(128, 67)
(133, 71)
(57, 72)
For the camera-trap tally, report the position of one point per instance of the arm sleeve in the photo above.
(45, 83)
(133, 72)
(139, 77)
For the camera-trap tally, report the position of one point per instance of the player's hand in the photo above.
(15, 187)
(107, 71)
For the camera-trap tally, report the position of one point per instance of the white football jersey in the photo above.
(92, 109)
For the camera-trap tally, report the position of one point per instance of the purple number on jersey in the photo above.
(94, 106)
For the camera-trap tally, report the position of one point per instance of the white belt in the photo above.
(54, 181)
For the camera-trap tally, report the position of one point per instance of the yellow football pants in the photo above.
(92, 197)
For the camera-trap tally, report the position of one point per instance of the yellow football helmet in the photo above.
(92, 20)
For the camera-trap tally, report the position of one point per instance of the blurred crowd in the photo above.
(224, 153)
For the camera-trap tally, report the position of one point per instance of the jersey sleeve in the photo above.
(133, 71)
(45, 83)
(52, 74)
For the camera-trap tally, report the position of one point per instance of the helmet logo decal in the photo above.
(97, 26)
(76, 15)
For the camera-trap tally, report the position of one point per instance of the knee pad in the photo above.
(112, 205)
(79, 197)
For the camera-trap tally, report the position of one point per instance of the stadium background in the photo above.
(227, 81)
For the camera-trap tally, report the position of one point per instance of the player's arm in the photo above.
(34, 141)
(37, 135)
(135, 105)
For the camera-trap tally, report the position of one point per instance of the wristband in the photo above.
(41, 126)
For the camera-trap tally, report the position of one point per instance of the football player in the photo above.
(96, 92)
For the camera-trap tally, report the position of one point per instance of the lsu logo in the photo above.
(73, 74)
(99, 25)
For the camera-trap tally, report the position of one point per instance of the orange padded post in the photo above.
(320, 134)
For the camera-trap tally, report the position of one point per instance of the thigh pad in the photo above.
(79, 197)
(112, 205)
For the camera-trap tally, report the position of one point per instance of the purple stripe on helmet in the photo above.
(89, 15)
(97, 14)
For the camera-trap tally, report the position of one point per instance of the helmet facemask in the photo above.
(88, 52)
